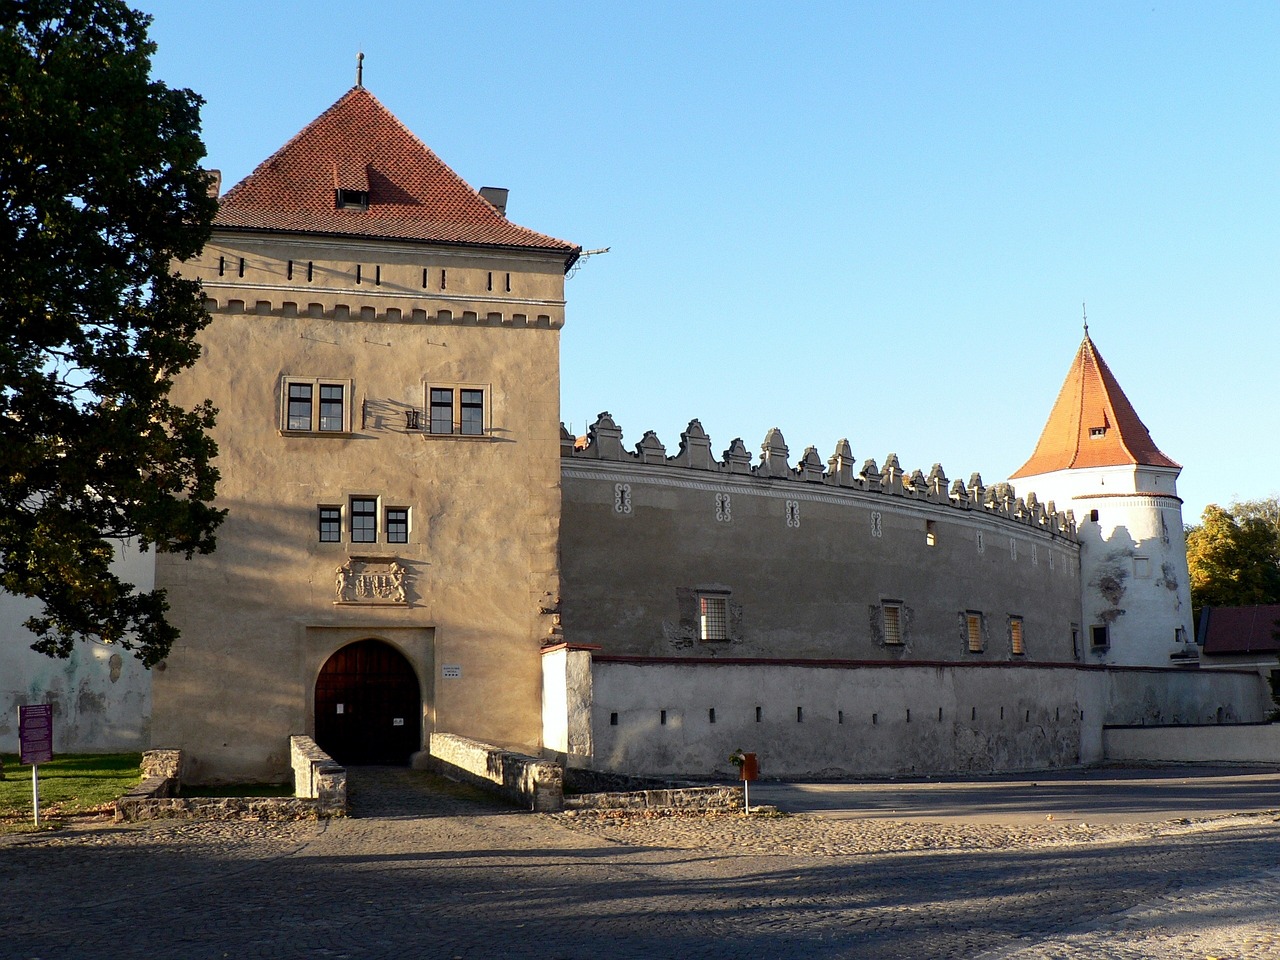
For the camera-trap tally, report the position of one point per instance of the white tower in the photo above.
(1097, 459)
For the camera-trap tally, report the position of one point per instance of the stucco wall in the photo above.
(652, 717)
(259, 616)
(808, 564)
(101, 695)
(1216, 744)
(854, 719)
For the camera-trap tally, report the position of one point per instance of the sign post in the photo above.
(35, 739)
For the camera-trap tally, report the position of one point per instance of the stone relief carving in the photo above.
(371, 580)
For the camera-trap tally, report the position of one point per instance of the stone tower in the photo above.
(384, 352)
(1097, 459)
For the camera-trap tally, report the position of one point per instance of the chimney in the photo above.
(215, 182)
(497, 196)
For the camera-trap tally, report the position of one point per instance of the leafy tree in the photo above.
(100, 194)
(1234, 556)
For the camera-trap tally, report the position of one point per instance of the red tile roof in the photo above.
(1240, 629)
(1091, 401)
(358, 144)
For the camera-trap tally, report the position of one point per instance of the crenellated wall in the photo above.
(813, 561)
(604, 442)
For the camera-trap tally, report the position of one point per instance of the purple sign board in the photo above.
(35, 732)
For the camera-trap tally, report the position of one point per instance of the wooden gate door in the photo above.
(368, 705)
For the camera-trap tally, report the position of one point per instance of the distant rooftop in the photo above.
(1228, 630)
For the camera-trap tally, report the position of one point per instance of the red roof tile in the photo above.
(1240, 629)
(1091, 401)
(358, 144)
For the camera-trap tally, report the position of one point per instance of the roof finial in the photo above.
(1085, 312)
(360, 69)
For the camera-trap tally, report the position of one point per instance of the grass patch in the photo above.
(240, 790)
(70, 784)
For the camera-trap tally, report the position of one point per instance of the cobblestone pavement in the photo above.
(440, 873)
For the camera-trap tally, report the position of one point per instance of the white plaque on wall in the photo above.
(451, 671)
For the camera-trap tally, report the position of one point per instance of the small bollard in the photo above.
(750, 770)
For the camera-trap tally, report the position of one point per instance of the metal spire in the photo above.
(360, 69)
(1085, 312)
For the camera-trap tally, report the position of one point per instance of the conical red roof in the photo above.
(358, 144)
(1092, 423)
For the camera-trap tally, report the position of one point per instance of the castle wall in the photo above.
(101, 695)
(809, 559)
(462, 599)
(684, 717)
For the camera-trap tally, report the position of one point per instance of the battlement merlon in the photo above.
(603, 442)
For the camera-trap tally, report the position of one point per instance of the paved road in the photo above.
(420, 874)
(1095, 796)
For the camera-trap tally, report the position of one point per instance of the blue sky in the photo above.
(866, 220)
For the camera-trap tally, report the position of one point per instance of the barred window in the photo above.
(713, 617)
(1015, 636)
(973, 629)
(891, 614)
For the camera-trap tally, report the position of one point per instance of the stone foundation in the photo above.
(679, 798)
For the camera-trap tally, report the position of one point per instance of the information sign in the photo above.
(35, 732)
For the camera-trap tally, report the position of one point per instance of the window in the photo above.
(299, 406)
(397, 525)
(891, 621)
(312, 406)
(364, 520)
(713, 616)
(973, 630)
(931, 533)
(458, 411)
(1097, 433)
(330, 524)
(1100, 636)
(1016, 645)
(352, 199)
(1142, 568)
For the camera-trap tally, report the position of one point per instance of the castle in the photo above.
(414, 543)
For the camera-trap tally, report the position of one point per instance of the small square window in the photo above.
(1142, 568)
(364, 520)
(397, 525)
(713, 617)
(330, 524)
(1016, 644)
(891, 621)
(973, 631)
(1100, 636)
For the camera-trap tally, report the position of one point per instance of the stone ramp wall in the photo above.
(320, 790)
(525, 780)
